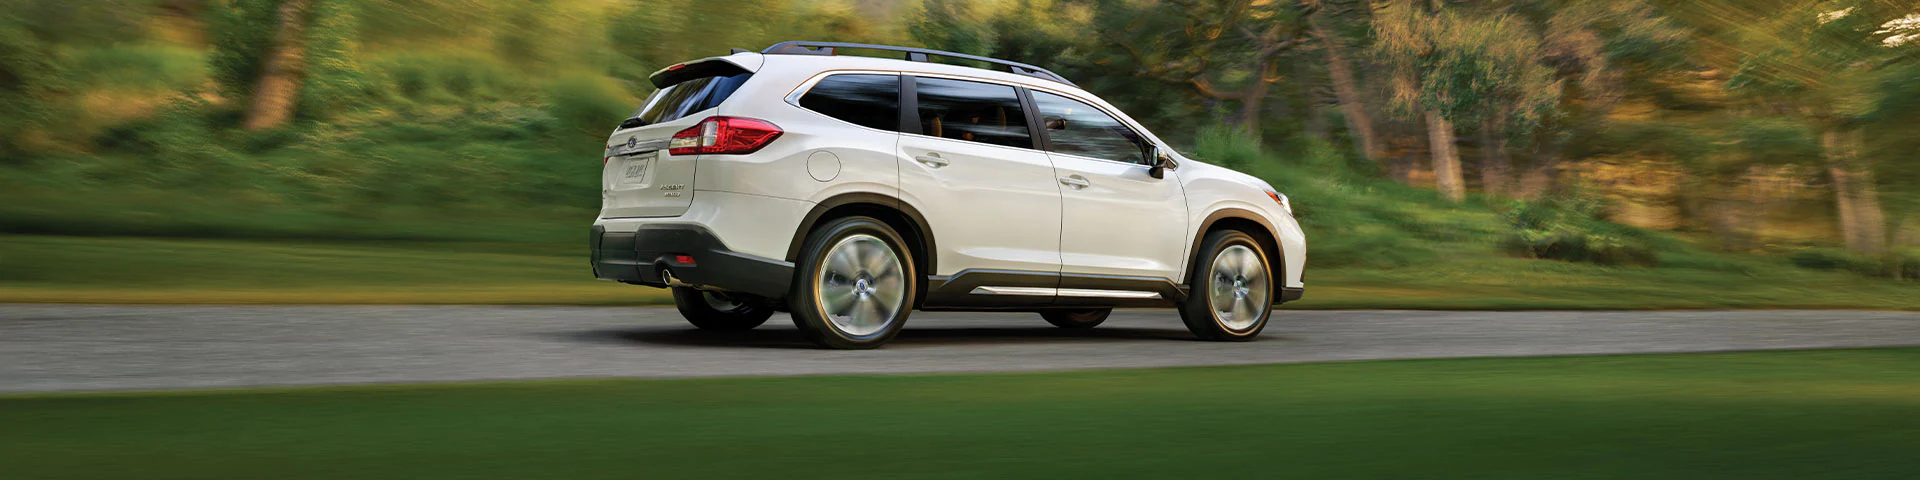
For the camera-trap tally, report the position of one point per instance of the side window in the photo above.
(684, 98)
(871, 101)
(1076, 128)
(972, 111)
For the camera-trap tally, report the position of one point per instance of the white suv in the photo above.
(851, 190)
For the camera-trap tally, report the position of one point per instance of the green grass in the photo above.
(1808, 414)
(67, 269)
(1496, 283)
(197, 271)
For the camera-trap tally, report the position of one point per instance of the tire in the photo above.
(719, 312)
(1077, 319)
(854, 284)
(1228, 256)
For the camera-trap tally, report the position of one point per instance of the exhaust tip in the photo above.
(666, 276)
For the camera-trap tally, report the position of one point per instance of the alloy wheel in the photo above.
(1238, 290)
(862, 286)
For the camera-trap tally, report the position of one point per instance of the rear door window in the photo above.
(867, 100)
(1076, 128)
(688, 97)
(972, 111)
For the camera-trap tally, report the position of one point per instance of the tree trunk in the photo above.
(1314, 117)
(1252, 99)
(1903, 233)
(1446, 159)
(1538, 178)
(1496, 170)
(1347, 90)
(1863, 224)
(273, 97)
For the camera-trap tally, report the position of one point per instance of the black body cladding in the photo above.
(640, 256)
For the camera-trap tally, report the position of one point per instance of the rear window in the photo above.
(871, 101)
(972, 111)
(688, 97)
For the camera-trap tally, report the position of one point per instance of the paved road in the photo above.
(66, 348)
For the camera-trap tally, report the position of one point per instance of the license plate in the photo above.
(638, 165)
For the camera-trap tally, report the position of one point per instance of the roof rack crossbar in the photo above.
(912, 55)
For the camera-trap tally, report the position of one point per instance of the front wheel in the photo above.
(854, 284)
(719, 311)
(1230, 296)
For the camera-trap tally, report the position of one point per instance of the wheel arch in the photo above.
(1250, 223)
(903, 218)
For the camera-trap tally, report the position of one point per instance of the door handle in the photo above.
(931, 160)
(1076, 181)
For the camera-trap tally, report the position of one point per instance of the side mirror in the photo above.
(1157, 162)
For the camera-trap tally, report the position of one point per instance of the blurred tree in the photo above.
(27, 75)
(646, 35)
(279, 58)
(1323, 20)
(1041, 32)
(1590, 47)
(1533, 71)
(335, 79)
(1821, 61)
(1462, 65)
(1204, 46)
(240, 31)
(36, 39)
(276, 91)
(952, 25)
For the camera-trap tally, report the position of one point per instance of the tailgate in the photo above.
(641, 179)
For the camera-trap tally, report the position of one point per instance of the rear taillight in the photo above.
(723, 136)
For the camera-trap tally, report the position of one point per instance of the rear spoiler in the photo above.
(735, 64)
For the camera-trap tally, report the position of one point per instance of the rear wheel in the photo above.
(719, 311)
(1230, 295)
(854, 284)
(1077, 319)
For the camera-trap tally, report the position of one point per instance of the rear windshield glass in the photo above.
(684, 98)
(871, 101)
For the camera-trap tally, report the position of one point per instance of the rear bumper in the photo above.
(639, 257)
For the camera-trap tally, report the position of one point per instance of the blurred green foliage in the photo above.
(476, 119)
(1568, 227)
(1899, 264)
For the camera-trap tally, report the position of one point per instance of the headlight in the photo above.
(1281, 199)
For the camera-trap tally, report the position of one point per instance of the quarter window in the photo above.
(1076, 128)
(972, 111)
(871, 101)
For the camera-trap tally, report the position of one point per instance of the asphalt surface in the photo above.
(82, 348)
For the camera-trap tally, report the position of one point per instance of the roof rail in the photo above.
(912, 55)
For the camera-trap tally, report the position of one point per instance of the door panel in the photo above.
(991, 207)
(1115, 218)
(1123, 222)
(970, 164)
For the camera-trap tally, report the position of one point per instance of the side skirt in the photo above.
(983, 289)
